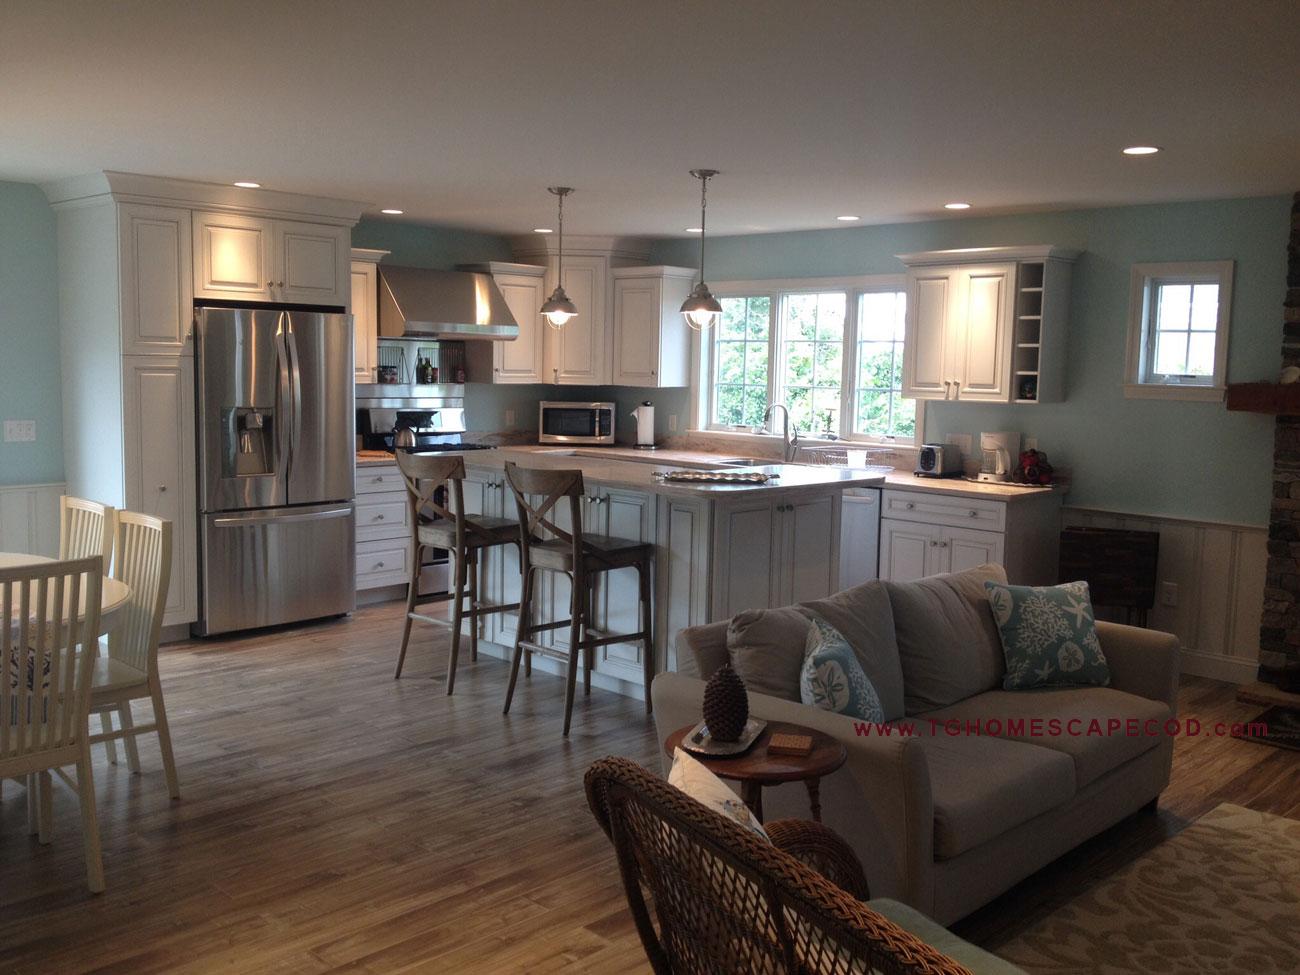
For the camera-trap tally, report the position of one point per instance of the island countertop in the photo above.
(791, 478)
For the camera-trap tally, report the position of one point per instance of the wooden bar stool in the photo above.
(445, 526)
(547, 547)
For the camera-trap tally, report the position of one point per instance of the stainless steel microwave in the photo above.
(580, 423)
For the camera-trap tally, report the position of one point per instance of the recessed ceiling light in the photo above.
(247, 184)
(543, 230)
(1141, 150)
(956, 206)
(848, 218)
(392, 211)
(695, 230)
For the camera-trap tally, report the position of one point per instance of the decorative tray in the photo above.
(698, 741)
(718, 477)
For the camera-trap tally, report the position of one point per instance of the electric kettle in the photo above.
(645, 426)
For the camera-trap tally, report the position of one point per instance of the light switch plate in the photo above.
(510, 418)
(1169, 594)
(1031, 443)
(672, 422)
(20, 431)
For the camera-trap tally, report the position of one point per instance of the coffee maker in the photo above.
(998, 454)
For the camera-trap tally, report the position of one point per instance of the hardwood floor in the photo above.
(334, 819)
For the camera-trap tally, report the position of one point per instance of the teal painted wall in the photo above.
(1191, 460)
(29, 335)
(415, 245)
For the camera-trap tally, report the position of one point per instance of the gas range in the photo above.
(439, 448)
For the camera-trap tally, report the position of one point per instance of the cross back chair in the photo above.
(435, 524)
(546, 546)
(130, 671)
(49, 628)
(723, 900)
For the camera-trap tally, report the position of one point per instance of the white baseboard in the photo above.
(1215, 666)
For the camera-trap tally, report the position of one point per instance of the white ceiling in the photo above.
(462, 113)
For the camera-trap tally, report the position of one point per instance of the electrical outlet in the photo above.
(1169, 594)
(510, 418)
(1031, 443)
(961, 441)
(20, 431)
(672, 422)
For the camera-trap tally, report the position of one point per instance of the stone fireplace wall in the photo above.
(1279, 634)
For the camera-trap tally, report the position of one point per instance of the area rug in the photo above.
(1222, 896)
(1283, 726)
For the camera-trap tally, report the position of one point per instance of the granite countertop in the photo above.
(629, 467)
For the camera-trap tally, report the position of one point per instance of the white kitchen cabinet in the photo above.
(859, 536)
(157, 298)
(926, 532)
(987, 325)
(158, 450)
(365, 312)
(652, 345)
(383, 529)
(233, 256)
(578, 353)
(238, 256)
(524, 288)
(773, 553)
(616, 607)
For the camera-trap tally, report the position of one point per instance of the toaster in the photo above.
(938, 460)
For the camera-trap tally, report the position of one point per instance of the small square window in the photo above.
(1178, 330)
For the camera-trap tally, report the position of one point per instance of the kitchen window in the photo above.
(831, 350)
(1178, 330)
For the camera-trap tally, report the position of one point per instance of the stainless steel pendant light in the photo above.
(558, 308)
(701, 309)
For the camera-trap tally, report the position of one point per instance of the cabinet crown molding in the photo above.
(504, 267)
(989, 255)
(166, 191)
(369, 254)
(655, 271)
(546, 245)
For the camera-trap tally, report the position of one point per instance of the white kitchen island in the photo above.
(719, 549)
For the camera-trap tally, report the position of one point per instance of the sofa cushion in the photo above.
(948, 643)
(1088, 724)
(1049, 636)
(832, 679)
(984, 787)
(766, 647)
(863, 614)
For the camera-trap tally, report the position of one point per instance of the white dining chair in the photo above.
(45, 688)
(88, 528)
(130, 671)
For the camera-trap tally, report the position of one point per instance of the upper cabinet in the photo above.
(524, 288)
(652, 344)
(154, 277)
(987, 324)
(365, 312)
(258, 259)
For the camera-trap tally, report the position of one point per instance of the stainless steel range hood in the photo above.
(419, 303)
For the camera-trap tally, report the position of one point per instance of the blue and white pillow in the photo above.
(1049, 636)
(832, 679)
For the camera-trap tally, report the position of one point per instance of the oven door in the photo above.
(584, 423)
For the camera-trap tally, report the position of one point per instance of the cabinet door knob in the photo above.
(270, 284)
(974, 514)
(379, 565)
(162, 487)
(909, 506)
(379, 517)
(279, 284)
(943, 544)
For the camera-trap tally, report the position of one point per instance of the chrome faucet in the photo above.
(790, 440)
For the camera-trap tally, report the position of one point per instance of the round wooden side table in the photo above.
(755, 768)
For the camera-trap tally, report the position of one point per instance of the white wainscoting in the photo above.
(1219, 570)
(29, 518)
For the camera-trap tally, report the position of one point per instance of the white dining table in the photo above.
(113, 594)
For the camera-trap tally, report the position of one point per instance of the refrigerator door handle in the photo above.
(280, 517)
(284, 406)
(295, 373)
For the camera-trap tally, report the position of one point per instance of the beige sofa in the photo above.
(947, 822)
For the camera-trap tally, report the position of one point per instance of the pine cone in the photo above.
(726, 705)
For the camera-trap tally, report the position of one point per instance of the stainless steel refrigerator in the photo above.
(276, 467)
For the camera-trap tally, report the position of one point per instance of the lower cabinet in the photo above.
(774, 552)
(383, 528)
(859, 536)
(924, 533)
(158, 454)
(912, 550)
